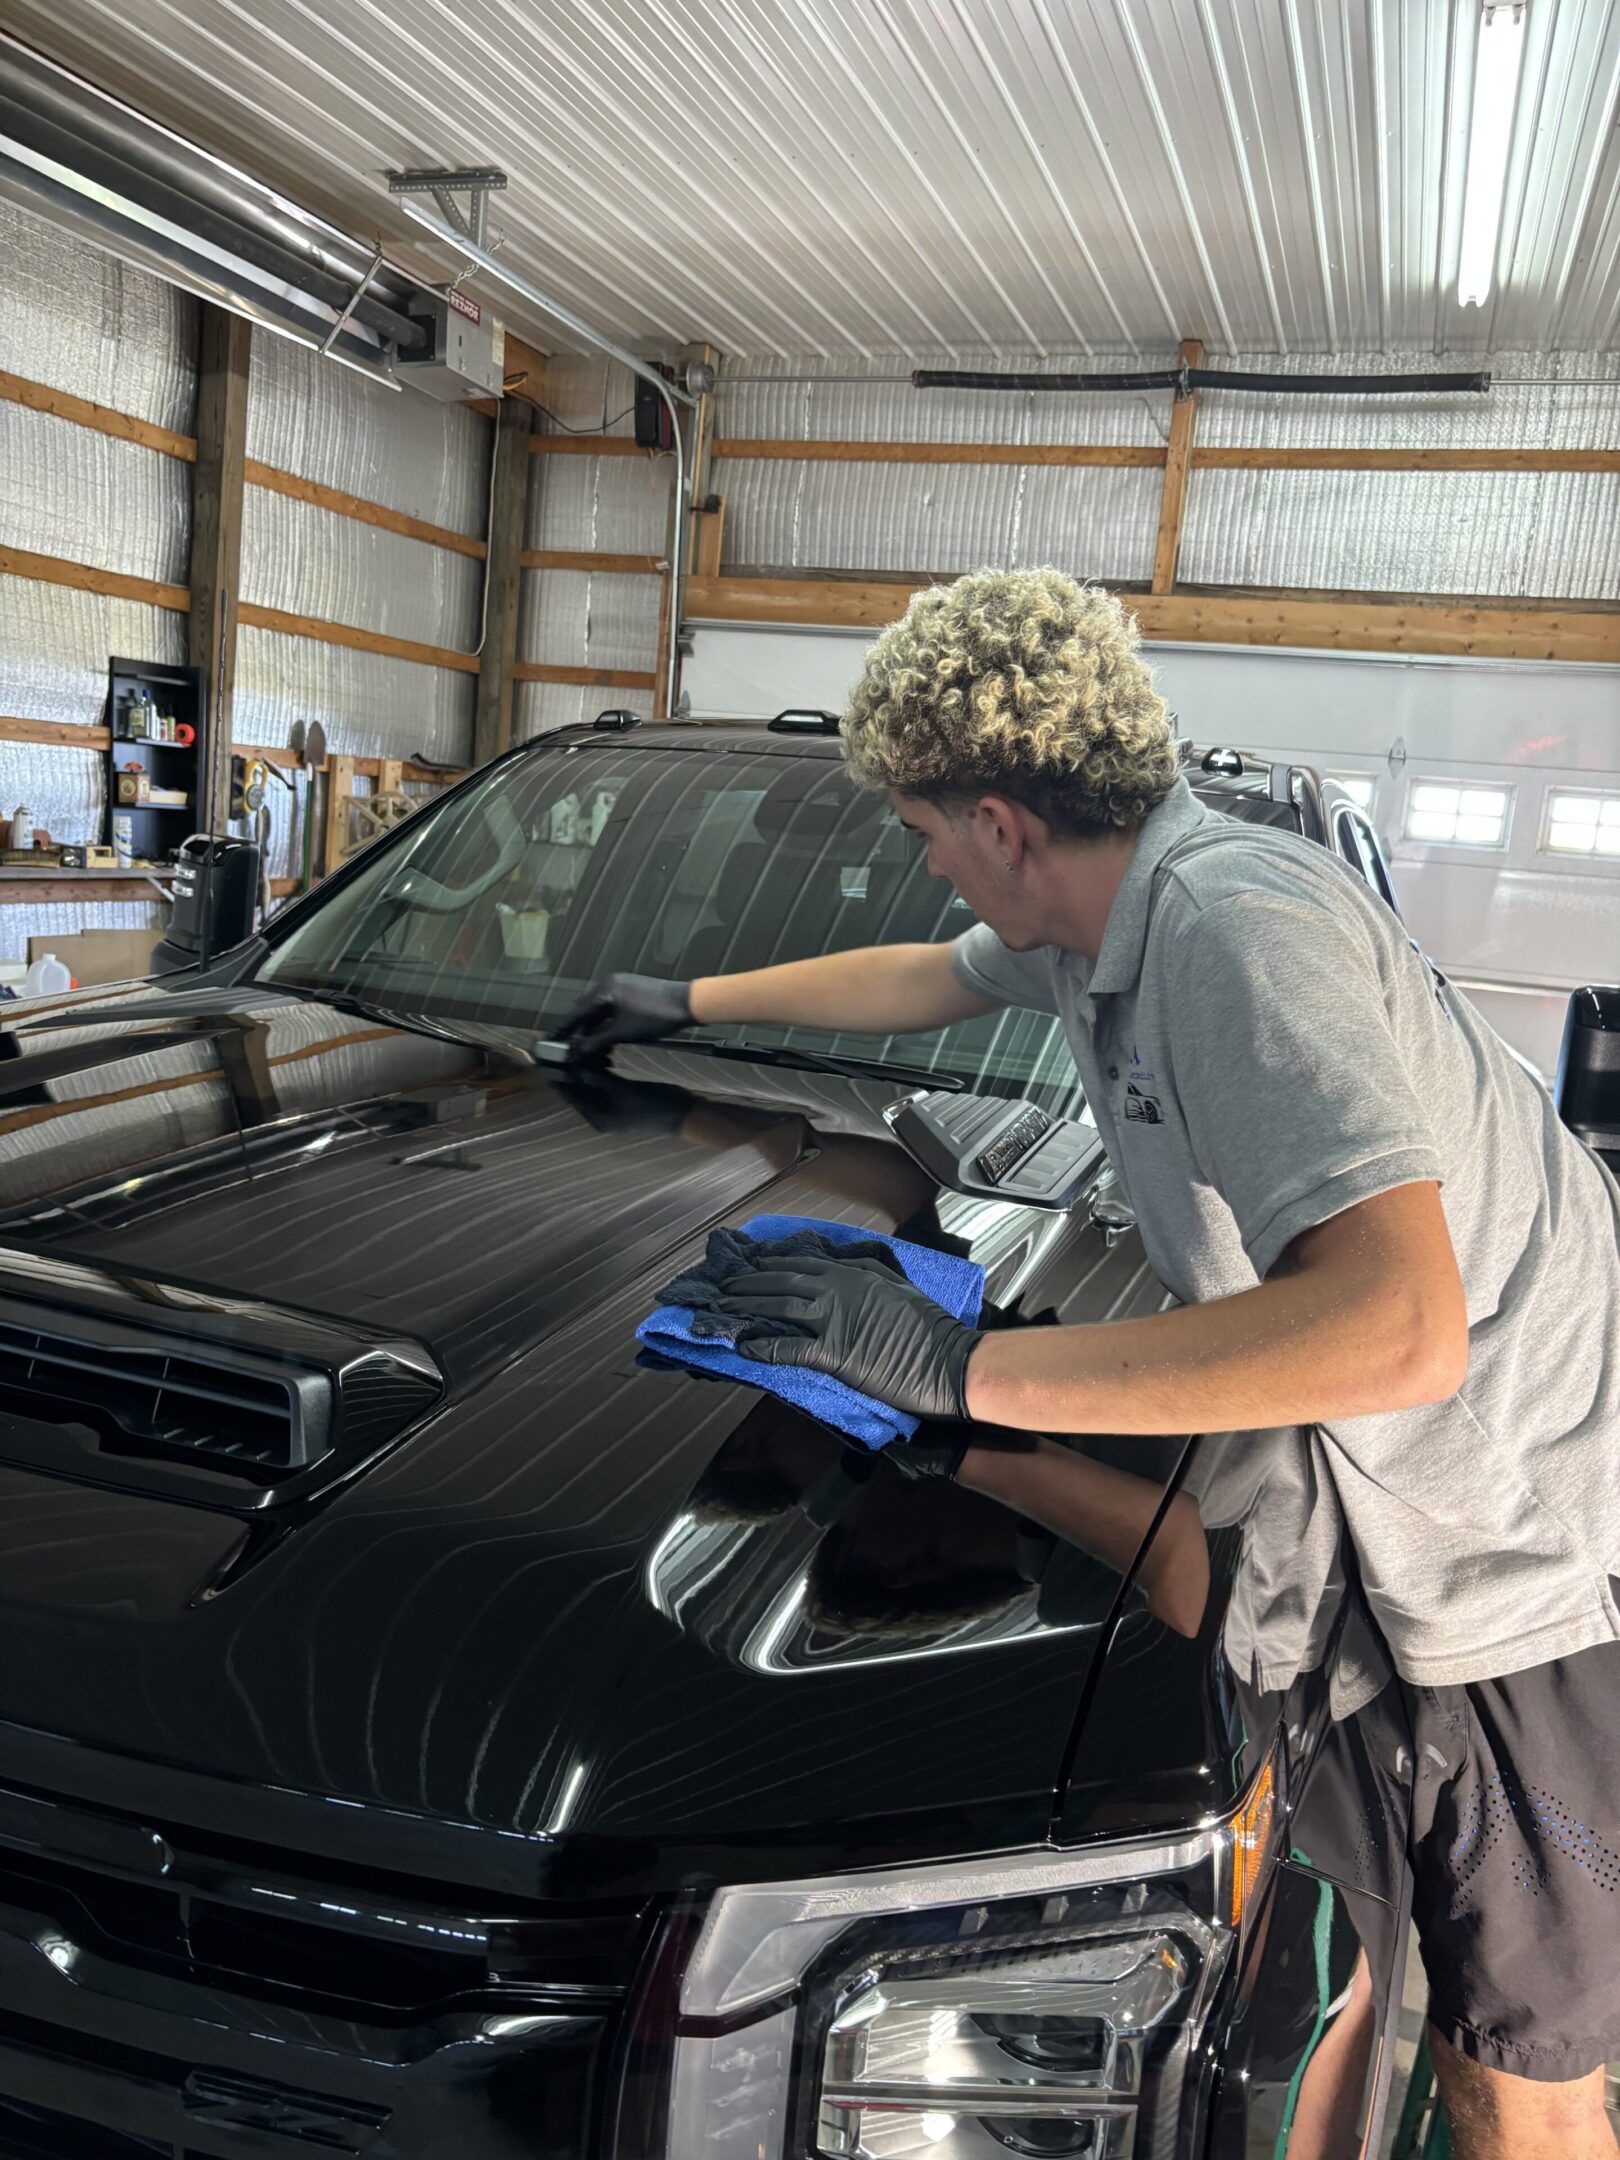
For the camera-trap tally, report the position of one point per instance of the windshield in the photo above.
(500, 908)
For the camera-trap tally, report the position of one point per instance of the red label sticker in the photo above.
(463, 306)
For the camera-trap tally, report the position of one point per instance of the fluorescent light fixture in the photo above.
(1498, 55)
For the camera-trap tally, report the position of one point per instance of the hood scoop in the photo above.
(156, 1389)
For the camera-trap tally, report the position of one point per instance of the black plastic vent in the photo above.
(146, 1398)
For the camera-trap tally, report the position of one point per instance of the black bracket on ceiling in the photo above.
(444, 183)
(803, 720)
(617, 716)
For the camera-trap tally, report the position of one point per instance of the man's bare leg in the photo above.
(1497, 2117)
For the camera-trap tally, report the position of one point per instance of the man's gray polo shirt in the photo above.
(1262, 1048)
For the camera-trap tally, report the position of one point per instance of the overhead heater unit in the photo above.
(95, 168)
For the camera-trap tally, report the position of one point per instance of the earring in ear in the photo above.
(1006, 865)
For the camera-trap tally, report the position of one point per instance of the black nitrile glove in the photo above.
(861, 1322)
(918, 1459)
(625, 1009)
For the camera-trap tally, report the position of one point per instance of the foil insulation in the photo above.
(1508, 534)
(616, 503)
(577, 618)
(310, 417)
(55, 643)
(370, 704)
(67, 491)
(1098, 523)
(314, 417)
(1513, 534)
(609, 505)
(81, 321)
(63, 787)
(310, 561)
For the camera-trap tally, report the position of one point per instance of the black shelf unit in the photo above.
(157, 829)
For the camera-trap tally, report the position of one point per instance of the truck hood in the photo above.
(585, 1625)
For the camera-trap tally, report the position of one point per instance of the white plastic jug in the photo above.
(46, 977)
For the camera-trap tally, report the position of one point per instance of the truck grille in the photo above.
(217, 2000)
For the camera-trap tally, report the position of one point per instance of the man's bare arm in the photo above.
(880, 990)
(1365, 1313)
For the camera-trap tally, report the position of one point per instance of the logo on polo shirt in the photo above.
(1141, 1108)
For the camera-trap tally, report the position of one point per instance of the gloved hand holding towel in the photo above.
(867, 1333)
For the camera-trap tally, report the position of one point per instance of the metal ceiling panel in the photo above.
(889, 176)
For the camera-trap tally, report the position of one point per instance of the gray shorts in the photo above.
(1515, 1846)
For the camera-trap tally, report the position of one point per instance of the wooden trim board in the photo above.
(61, 732)
(593, 559)
(1504, 633)
(591, 446)
(104, 419)
(357, 507)
(252, 616)
(1455, 461)
(84, 577)
(941, 453)
(590, 678)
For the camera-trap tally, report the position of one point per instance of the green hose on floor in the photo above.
(1321, 1937)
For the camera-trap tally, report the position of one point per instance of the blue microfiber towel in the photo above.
(676, 1336)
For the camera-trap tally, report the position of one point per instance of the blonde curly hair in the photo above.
(1015, 682)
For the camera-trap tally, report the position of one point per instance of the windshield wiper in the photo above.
(407, 1018)
(849, 1067)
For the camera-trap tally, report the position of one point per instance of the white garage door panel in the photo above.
(1522, 928)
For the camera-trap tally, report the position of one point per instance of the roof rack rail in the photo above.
(804, 720)
(1227, 762)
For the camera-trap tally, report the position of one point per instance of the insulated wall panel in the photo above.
(606, 619)
(1554, 401)
(1505, 534)
(940, 518)
(605, 505)
(80, 321)
(1508, 534)
(614, 503)
(314, 417)
(885, 408)
(83, 322)
(64, 788)
(369, 705)
(325, 423)
(55, 643)
(314, 562)
(67, 491)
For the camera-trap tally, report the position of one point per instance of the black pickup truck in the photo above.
(425, 1732)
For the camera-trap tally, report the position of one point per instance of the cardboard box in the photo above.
(100, 956)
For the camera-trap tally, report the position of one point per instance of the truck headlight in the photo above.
(1039, 2003)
